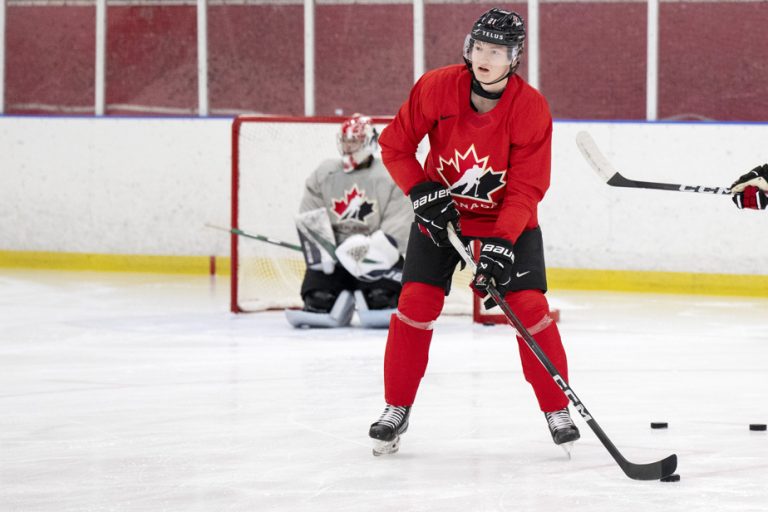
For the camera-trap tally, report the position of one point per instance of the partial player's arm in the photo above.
(400, 139)
(529, 168)
(432, 203)
(749, 191)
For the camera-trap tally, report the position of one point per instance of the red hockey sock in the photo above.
(532, 309)
(410, 333)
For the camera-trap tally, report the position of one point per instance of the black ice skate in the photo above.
(386, 431)
(563, 431)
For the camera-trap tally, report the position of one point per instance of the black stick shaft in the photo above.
(617, 180)
(651, 471)
(608, 173)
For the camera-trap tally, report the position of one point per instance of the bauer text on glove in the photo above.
(494, 267)
(434, 210)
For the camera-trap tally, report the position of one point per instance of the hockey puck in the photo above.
(674, 477)
(659, 424)
(757, 427)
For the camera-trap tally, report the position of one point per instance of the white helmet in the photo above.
(357, 140)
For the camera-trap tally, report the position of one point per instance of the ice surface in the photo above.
(142, 393)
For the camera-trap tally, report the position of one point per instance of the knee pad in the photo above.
(381, 298)
(421, 302)
(319, 301)
(530, 306)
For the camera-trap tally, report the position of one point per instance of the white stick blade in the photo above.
(592, 154)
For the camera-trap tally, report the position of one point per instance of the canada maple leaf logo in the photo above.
(354, 205)
(471, 177)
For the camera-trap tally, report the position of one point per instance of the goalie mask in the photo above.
(499, 35)
(357, 140)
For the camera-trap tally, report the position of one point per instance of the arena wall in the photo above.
(128, 186)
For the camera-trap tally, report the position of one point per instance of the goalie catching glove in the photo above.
(494, 267)
(749, 191)
(434, 209)
(370, 258)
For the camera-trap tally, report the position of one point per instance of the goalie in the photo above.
(353, 225)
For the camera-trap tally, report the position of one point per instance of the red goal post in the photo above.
(271, 158)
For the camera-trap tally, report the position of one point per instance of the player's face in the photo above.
(489, 61)
(350, 144)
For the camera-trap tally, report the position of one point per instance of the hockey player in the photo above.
(353, 225)
(488, 168)
(751, 189)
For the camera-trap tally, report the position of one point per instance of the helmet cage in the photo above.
(356, 141)
(513, 52)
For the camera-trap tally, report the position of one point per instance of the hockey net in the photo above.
(271, 159)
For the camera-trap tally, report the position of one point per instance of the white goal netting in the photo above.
(271, 160)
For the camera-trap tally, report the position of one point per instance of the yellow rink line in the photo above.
(658, 282)
(559, 278)
(115, 262)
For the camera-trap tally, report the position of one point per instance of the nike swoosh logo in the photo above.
(521, 274)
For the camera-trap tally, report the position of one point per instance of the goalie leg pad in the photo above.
(372, 318)
(339, 316)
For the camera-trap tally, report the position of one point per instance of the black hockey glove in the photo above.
(434, 209)
(751, 197)
(749, 189)
(494, 266)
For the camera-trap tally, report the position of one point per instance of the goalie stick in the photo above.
(260, 238)
(614, 178)
(273, 241)
(651, 471)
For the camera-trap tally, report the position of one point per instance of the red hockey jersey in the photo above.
(497, 164)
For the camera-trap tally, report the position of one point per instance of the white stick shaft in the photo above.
(456, 243)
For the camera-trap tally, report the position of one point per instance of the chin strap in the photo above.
(477, 86)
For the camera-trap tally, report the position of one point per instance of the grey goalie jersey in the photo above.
(362, 201)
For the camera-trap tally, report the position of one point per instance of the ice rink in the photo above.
(132, 392)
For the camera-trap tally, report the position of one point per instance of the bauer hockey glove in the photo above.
(749, 191)
(494, 267)
(434, 209)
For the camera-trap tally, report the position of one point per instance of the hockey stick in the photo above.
(652, 471)
(279, 243)
(260, 238)
(612, 177)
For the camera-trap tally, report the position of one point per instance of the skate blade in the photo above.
(567, 448)
(385, 447)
